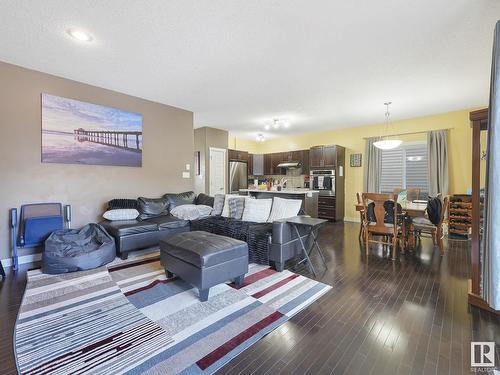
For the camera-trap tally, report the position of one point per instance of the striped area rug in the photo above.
(133, 320)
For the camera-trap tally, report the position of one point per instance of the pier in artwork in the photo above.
(126, 140)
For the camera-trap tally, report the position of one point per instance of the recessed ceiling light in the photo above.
(80, 35)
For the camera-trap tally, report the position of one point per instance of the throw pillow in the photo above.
(225, 209)
(204, 199)
(257, 210)
(191, 211)
(179, 199)
(218, 205)
(284, 208)
(236, 206)
(121, 214)
(114, 204)
(152, 207)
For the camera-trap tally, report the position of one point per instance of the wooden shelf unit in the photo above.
(460, 215)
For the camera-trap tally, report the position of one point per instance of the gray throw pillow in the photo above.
(218, 204)
(236, 206)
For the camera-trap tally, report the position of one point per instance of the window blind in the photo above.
(405, 167)
(392, 170)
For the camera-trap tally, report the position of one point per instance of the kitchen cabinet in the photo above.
(250, 164)
(305, 161)
(323, 157)
(290, 156)
(267, 164)
(327, 207)
(257, 164)
(316, 157)
(276, 158)
(237, 155)
(330, 156)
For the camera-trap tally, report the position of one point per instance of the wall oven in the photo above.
(323, 180)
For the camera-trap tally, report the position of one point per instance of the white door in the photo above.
(217, 171)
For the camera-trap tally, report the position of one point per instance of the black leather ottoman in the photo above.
(204, 259)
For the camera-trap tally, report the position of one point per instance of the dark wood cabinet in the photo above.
(250, 164)
(316, 157)
(305, 161)
(267, 164)
(323, 157)
(327, 207)
(237, 155)
(329, 156)
(290, 156)
(276, 158)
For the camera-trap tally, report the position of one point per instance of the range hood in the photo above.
(290, 165)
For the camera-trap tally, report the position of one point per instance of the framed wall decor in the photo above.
(76, 132)
(356, 160)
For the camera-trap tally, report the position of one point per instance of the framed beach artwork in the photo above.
(76, 132)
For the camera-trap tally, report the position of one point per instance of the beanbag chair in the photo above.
(70, 250)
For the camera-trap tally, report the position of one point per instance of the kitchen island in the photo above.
(308, 197)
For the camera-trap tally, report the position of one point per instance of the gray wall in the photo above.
(204, 138)
(168, 147)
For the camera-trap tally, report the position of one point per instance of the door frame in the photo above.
(224, 168)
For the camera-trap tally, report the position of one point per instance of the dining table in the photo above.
(410, 210)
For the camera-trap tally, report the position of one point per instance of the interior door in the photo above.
(217, 171)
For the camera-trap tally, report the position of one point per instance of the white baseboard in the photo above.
(23, 259)
(352, 219)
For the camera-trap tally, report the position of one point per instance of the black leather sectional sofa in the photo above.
(268, 243)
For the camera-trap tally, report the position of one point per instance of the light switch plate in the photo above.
(188, 167)
(186, 175)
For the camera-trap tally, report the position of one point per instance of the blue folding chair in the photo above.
(36, 222)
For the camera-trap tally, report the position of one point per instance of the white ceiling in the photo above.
(236, 64)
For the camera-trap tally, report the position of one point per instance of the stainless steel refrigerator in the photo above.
(238, 176)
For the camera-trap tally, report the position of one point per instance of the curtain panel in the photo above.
(373, 167)
(437, 171)
(490, 247)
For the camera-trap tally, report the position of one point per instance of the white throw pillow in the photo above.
(225, 209)
(257, 210)
(121, 214)
(191, 211)
(284, 208)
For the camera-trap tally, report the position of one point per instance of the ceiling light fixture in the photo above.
(387, 143)
(260, 138)
(277, 123)
(80, 35)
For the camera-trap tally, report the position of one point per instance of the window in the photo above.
(405, 167)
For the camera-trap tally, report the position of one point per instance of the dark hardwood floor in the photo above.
(405, 317)
(382, 317)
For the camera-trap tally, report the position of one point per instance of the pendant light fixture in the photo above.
(387, 143)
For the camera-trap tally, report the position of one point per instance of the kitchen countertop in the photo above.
(284, 191)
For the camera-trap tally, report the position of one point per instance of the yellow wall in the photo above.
(243, 144)
(459, 145)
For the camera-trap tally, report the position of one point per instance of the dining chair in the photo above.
(382, 218)
(424, 227)
(411, 193)
(361, 216)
